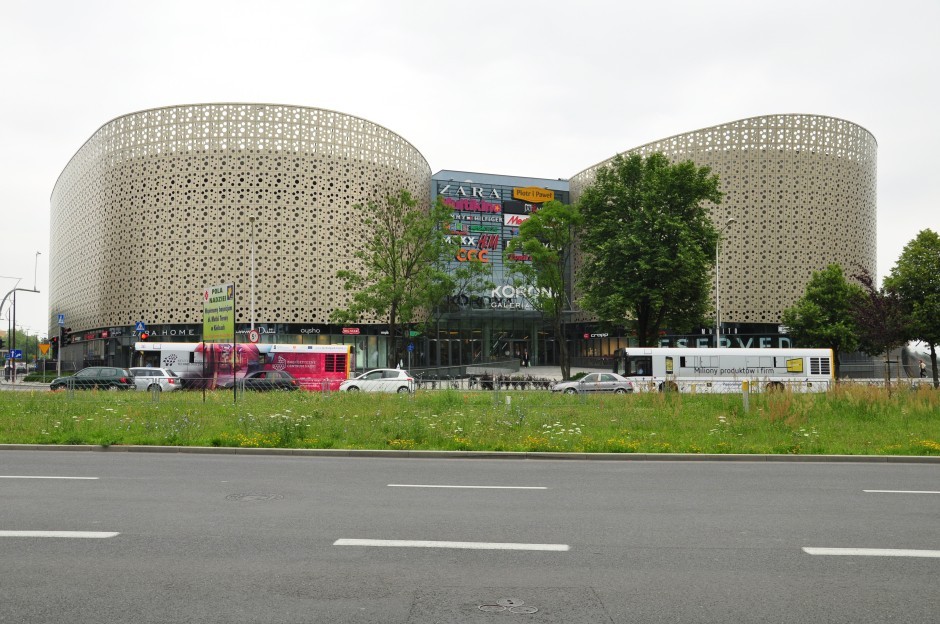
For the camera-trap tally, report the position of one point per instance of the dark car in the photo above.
(101, 377)
(265, 380)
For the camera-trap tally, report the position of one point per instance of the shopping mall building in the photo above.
(159, 205)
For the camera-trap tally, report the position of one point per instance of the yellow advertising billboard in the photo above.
(533, 194)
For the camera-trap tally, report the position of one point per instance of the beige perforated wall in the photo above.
(156, 206)
(802, 189)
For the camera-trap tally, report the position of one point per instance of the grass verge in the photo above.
(848, 420)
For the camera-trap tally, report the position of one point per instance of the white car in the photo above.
(596, 382)
(380, 380)
(155, 379)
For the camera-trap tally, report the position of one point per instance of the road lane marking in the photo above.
(466, 545)
(40, 477)
(900, 492)
(70, 534)
(872, 552)
(472, 487)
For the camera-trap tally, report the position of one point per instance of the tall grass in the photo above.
(847, 420)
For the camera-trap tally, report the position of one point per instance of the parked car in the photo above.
(8, 370)
(596, 382)
(103, 377)
(380, 380)
(265, 380)
(155, 379)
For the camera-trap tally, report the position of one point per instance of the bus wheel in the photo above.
(775, 386)
(668, 386)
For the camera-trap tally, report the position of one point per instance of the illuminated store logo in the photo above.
(472, 255)
(533, 194)
(489, 241)
(472, 205)
(511, 206)
(514, 220)
(469, 191)
(464, 229)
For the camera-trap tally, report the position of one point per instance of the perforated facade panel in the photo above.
(157, 205)
(802, 189)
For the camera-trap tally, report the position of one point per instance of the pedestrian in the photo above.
(923, 370)
(525, 359)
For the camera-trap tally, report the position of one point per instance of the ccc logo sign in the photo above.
(469, 255)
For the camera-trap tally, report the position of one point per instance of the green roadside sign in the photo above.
(218, 313)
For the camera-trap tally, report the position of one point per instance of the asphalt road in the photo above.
(211, 538)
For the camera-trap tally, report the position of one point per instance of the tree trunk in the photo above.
(933, 365)
(392, 357)
(563, 356)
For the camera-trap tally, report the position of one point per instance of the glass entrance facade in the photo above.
(498, 322)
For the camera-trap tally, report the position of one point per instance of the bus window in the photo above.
(639, 367)
(669, 370)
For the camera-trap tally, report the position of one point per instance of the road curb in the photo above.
(396, 454)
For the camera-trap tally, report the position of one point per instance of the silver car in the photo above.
(380, 380)
(156, 379)
(596, 382)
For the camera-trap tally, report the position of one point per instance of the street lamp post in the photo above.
(717, 304)
(252, 220)
(12, 332)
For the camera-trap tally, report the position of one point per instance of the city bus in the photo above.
(209, 365)
(725, 369)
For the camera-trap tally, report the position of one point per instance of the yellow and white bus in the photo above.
(725, 369)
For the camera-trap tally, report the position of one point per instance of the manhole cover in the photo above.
(491, 608)
(507, 605)
(253, 497)
(523, 610)
(513, 605)
(510, 602)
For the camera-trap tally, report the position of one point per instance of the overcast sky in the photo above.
(531, 88)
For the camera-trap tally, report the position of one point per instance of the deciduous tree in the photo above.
(648, 244)
(546, 239)
(916, 278)
(880, 319)
(402, 265)
(823, 316)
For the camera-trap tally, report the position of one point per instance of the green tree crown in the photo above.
(648, 243)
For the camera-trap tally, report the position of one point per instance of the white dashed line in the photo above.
(899, 492)
(39, 477)
(466, 545)
(472, 487)
(69, 534)
(872, 552)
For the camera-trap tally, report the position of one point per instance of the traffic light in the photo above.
(143, 336)
(1, 343)
(55, 347)
(67, 335)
